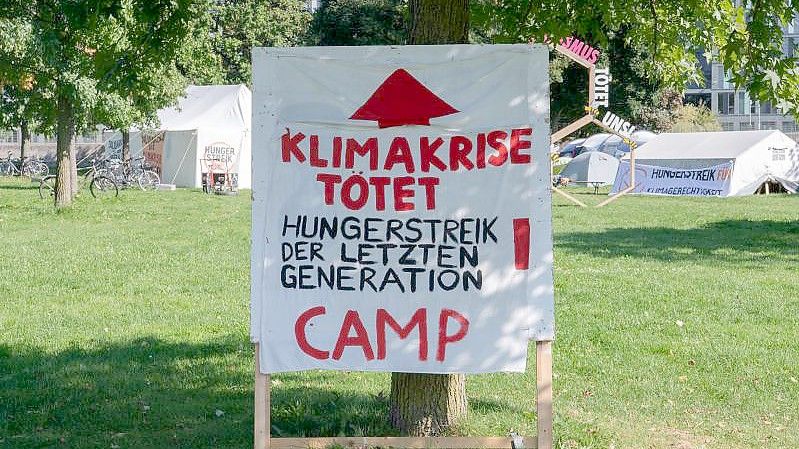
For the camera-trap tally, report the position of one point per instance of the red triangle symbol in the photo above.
(402, 100)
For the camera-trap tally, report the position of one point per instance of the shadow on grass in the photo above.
(729, 239)
(19, 186)
(148, 393)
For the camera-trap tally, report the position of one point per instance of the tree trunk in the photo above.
(427, 404)
(65, 129)
(24, 140)
(125, 145)
(439, 22)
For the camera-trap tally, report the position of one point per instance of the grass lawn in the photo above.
(124, 324)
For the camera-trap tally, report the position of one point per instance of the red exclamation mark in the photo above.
(521, 242)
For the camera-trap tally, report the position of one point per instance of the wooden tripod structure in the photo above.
(587, 119)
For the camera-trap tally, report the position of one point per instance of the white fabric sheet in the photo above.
(308, 96)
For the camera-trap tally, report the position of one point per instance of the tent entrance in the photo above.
(771, 187)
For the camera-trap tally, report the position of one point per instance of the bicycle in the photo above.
(100, 183)
(146, 178)
(126, 173)
(26, 166)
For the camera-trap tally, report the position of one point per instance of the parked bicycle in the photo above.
(132, 172)
(101, 184)
(26, 166)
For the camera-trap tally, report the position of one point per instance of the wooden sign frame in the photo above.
(544, 439)
(586, 120)
(262, 422)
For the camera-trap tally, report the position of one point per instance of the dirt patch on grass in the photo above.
(682, 439)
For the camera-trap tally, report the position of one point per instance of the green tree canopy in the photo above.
(360, 22)
(746, 37)
(105, 61)
(218, 51)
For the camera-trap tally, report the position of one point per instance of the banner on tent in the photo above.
(113, 147)
(650, 179)
(221, 162)
(403, 222)
(154, 150)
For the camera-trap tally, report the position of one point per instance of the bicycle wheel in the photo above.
(6, 169)
(40, 170)
(103, 187)
(148, 180)
(47, 187)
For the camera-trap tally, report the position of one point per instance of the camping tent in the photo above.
(617, 147)
(727, 163)
(592, 167)
(209, 130)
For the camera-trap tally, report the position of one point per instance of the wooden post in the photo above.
(544, 440)
(591, 85)
(262, 420)
(568, 197)
(543, 375)
(572, 127)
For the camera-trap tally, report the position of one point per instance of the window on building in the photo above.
(726, 102)
(9, 136)
(702, 99)
(747, 126)
(793, 26)
(766, 108)
(727, 126)
(768, 125)
(789, 47)
(721, 77)
(790, 127)
(741, 103)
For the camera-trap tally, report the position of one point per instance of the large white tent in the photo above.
(735, 162)
(209, 130)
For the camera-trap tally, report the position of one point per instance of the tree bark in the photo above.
(125, 145)
(427, 404)
(65, 128)
(24, 140)
(439, 22)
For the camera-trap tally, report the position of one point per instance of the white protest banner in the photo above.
(616, 124)
(401, 208)
(602, 81)
(649, 179)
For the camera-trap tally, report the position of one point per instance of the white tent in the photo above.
(593, 168)
(745, 160)
(209, 129)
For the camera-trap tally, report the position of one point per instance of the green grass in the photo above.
(124, 324)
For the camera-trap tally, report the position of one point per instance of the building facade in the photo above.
(735, 109)
(44, 146)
